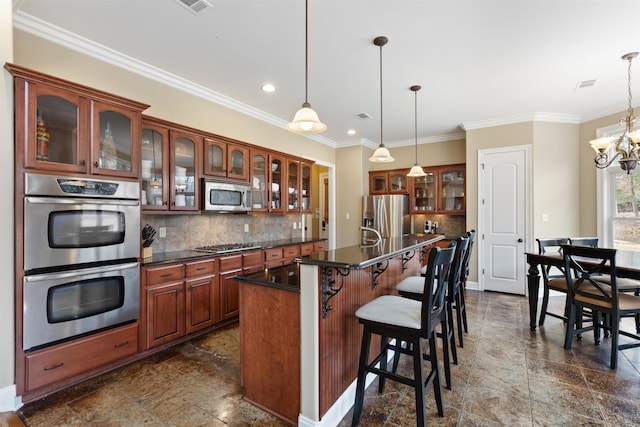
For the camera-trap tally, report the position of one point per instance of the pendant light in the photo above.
(416, 170)
(381, 155)
(306, 120)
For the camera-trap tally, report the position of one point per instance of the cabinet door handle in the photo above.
(201, 268)
(83, 162)
(166, 275)
(52, 367)
(96, 164)
(122, 344)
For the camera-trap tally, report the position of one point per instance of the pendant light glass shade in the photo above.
(306, 120)
(381, 155)
(416, 170)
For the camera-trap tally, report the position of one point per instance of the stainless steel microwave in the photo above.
(224, 196)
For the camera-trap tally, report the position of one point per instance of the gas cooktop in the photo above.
(226, 248)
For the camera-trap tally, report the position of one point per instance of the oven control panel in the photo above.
(87, 187)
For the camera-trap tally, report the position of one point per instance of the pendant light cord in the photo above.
(306, 49)
(381, 141)
(416, 122)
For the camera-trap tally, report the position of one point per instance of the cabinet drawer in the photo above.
(291, 251)
(272, 254)
(73, 358)
(320, 246)
(169, 273)
(200, 268)
(252, 259)
(230, 262)
(306, 249)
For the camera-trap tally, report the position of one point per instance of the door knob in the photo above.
(520, 240)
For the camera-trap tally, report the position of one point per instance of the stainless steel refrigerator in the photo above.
(388, 214)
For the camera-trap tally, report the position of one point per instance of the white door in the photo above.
(504, 200)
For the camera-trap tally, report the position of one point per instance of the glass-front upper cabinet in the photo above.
(452, 187)
(423, 196)
(293, 186)
(185, 148)
(378, 182)
(305, 186)
(57, 123)
(225, 160)
(116, 134)
(155, 186)
(64, 127)
(259, 180)
(277, 176)
(398, 182)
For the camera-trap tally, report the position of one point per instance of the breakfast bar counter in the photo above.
(298, 328)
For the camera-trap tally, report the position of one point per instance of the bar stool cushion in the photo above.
(393, 310)
(412, 285)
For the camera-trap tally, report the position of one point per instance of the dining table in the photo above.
(627, 266)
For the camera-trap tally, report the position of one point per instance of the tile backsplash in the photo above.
(186, 232)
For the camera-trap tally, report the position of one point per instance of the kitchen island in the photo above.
(299, 332)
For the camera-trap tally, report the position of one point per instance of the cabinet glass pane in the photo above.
(115, 141)
(452, 191)
(398, 182)
(57, 130)
(306, 187)
(276, 183)
(259, 184)
(424, 192)
(151, 167)
(292, 186)
(237, 163)
(379, 184)
(215, 159)
(185, 171)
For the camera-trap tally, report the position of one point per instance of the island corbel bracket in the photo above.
(376, 270)
(328, 285)
(406, 257)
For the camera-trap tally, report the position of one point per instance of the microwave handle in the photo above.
(82, 272)
(75, 201)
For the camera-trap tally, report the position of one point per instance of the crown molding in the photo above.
(62, 37)
(520, 118)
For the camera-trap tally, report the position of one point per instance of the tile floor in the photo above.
(506, 375)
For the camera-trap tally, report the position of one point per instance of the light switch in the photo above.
(545, 217)
(162, 231)
(246, 228)
(346, 216)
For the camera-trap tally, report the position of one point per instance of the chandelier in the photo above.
(627, 145)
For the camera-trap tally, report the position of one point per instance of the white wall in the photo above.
(7, 260)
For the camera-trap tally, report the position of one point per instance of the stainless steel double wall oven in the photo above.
(81, 250)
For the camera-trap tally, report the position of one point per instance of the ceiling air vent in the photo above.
(195, 6)
(363, 116)
(585, 83)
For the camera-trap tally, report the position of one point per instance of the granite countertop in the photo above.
(361, 256)
(187, 255)
(286, 278)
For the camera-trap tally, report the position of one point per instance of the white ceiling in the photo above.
(478, 61)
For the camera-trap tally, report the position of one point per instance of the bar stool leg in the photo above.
(364, 356)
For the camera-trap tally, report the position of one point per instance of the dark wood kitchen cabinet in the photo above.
(388, 182)
(180, 299)
(225, 159)
(64, 361)
(441, 191)
(66, 127)
(230, 266)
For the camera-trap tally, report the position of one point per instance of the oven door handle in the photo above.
(83, 272)
(75, 201)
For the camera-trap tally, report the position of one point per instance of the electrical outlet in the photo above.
(347, 216)
(246, 228)
(295, 224)
(162, 231)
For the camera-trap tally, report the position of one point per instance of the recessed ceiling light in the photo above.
(351, 132)
(268, 87)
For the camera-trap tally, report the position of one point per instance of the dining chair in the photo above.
(462, 305)
(552, 277)
(624, 284)
(584, 266)
(413, 286)
(397, 319)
